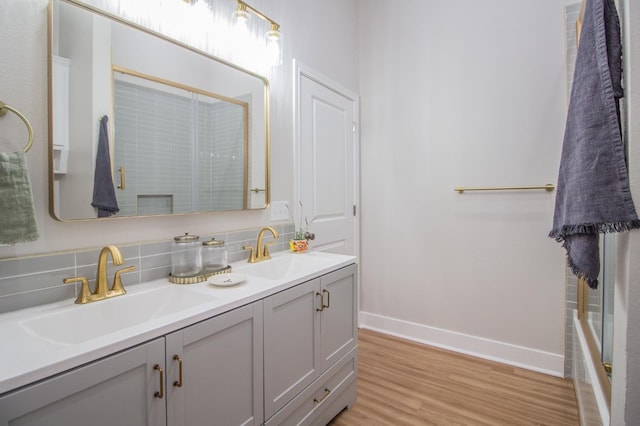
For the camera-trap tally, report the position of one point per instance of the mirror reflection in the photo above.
(187, 133)
(200, 140)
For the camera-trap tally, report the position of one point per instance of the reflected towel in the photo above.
(593, 194)
(104, 194)
(17, 213)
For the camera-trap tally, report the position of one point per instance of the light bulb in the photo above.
(274, 48)
(241, 18)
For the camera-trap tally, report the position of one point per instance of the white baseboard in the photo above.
(506, 353)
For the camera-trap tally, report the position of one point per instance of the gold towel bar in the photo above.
(548, 187)
(3, 110)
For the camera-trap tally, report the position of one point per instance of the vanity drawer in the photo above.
(335, 389)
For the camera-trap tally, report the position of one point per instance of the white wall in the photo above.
(322, 35)
(463, 93)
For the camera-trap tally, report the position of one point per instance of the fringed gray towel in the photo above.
(593, 194)
(104, 194)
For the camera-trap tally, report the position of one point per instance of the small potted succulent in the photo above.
(301, 235)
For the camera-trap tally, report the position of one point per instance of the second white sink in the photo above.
(286, 265)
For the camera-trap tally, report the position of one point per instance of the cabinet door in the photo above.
(291, 343)
(338, 320)
(221, 360)
(117, 390)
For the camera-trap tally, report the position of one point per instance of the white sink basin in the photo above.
(78, 323)
(286, 265)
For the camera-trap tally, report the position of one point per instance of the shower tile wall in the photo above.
(200, 150)
(571, 13)
(36, 280)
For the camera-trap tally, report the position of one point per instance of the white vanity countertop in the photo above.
(45, 340)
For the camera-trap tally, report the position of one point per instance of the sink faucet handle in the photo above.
(117, 287)
(265, 251)
(85, 293)
(252, 255)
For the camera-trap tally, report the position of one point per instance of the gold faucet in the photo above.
(262, 249)
(101, 290)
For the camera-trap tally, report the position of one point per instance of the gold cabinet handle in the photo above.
(326, 394)
(321, 308)
(160, 394)
(178, 383)
(123, 179)
(328, 299)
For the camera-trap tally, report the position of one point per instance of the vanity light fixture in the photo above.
(273, 36)
(241, 17)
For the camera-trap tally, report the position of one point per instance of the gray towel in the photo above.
(104, 194)
(17, 213)
(593, 194)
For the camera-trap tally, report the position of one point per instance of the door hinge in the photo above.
(354, 209)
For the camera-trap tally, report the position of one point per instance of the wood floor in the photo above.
(405, 383)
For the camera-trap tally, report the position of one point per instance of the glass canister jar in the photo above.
(186, 256)
(214, 256)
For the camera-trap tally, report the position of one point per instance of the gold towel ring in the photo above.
(3, 110)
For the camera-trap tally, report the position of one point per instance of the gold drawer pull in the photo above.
(178, 383)
(321, 308)
(328, 305)
(326, 394)
(160, 394)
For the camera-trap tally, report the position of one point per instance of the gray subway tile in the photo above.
(155, 248)
(34, 298)
(33, 282)
(87, 257)
(150, 262)
(243, 235)
(155, 273)
(31, 265)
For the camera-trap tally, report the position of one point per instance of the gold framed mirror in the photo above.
(188, 133)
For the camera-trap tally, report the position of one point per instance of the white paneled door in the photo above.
(327, 162)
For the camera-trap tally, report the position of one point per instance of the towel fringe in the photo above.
(592, 282)
(594, 228)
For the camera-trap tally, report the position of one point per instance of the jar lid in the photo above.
(213, 242)
(186, 238)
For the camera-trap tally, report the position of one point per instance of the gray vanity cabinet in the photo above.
(310, 336)
(117, 390)
(221, 361)
(221, 382)
(288, 359)
(338, 318)
(292, 339)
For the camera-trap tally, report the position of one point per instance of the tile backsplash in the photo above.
(36, 280)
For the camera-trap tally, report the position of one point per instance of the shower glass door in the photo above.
(598, 306)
